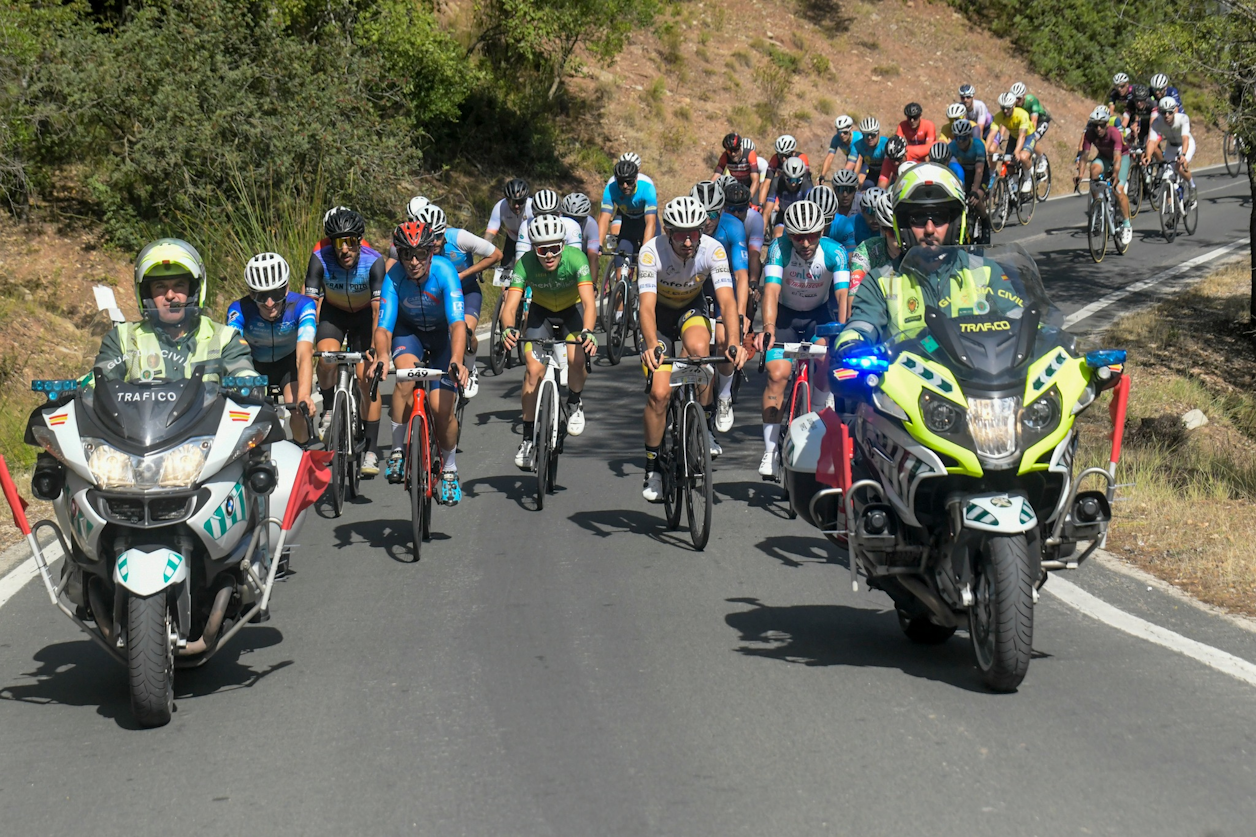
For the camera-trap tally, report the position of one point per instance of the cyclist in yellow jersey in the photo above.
(1013, 124)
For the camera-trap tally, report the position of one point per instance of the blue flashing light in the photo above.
(245, 382)
(1105, 357)
(54, 388)
(829, 329)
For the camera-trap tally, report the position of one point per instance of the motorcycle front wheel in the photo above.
(150, 659)
(1001, 620)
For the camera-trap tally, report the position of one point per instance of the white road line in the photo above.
(1062, 195)
(1117, 295)
(24, 572)
(1097, 608)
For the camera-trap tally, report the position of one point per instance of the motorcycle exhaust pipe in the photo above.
(103, 614)
(212, 625)
(921, 591)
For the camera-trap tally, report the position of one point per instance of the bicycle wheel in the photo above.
(1025, 203)
(1168, 212)
(1134, 189)
(1116, 229)
(605, 304)
(998, 205)
(460, 407)
(340, 459)
(497, 351)
(617, 332)
(699, 494)
(1230, 152)
(417, 482)
(670, 466)
(433, 475)
(520, 321)
(356, 433)
(545, 404)
(1042, 179)
(1191, 219)
(1097, 232)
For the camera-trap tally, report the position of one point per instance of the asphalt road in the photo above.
(579, 670)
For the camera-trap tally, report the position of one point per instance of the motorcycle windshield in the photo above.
(981, 311)
(148, 415)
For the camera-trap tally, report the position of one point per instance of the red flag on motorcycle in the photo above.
(833, 466)
(313, 477)
(15, 500)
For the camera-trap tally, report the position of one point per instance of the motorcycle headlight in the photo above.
(181, 466)
(175, 468)
(1042, 414)
(941, 416)
(110, 467)
(992, 423)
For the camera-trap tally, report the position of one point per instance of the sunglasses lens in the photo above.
(549, 250)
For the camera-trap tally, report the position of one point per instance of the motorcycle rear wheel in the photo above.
(150, 659)
(1001, 620)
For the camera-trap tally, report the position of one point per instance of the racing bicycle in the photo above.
(1101, 220)
(799, 390)
(1171, 202)
(346, 432)
(423, 462)
(550, 420)
(622, 299)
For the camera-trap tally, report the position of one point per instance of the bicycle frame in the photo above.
(422, 377)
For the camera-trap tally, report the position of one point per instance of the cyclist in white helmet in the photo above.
(871, 150)
(946, 128)
(977, 112)
(671, 272)
(844, 141)
(279, 326)
(1170, 140)
(786, 148)
(880, 249)
(577, 207)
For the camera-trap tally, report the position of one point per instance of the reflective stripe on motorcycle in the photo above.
(999, 513)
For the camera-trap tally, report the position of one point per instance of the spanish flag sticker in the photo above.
(240, 415)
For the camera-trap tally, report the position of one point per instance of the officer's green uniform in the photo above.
(141, 352)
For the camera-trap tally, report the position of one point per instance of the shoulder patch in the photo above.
(719, 253)
(647, 257)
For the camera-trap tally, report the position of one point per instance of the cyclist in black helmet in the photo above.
(513, 209)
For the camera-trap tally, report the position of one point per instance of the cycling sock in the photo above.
(398, 435)
(529, 428)
(651, 459)
(573, 397)
(771, 435)
(726, 385)
(372, 434)
(447, 459)
(329, 397)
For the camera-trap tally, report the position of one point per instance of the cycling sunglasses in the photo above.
(410, 254)
(626, 184)
(713, 214)
(794, 181)
(680, 236)
(805, 238)
(352, 243)
(846, 190)
(275, 296)
(550, 249)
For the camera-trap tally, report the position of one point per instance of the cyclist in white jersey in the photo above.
(508, 215)
(545, 202)
(1173, 128)
(579, 208)
(671, 271)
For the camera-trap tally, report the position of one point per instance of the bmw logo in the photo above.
(229, 506)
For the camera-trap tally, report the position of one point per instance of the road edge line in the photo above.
(18, 577)
(1096, 608)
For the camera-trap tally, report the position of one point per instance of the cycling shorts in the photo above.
(1172, 152)
(508, 252)
(433, 349)
(1123, 176)
(278, 372)
(544, 323)
(797, 327)
(671, 323)
(472, 296)
(632, 229)
(336, 323)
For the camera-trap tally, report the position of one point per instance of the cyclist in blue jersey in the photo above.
(940, 153)
(842, 227)
(279, 326)
(866, 224)
(845, 140)
(421, 322)
(633, 202)
(805, 285)
(871, 151)
(737, 204)
(345, 275)
(969, 152)
(729, 231)
(1160, 88)
(825, 198)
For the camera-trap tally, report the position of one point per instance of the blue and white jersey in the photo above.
(431, 307)
(836, 144)
(271, 340)
(863, 232)
(731, 232)
(873, 154)
(642, 202)
(806, 285)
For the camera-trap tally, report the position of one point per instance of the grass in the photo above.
(670, 41)
(1189, 516)
(825, 106)
(784, 59)
(885, 70)
(819, 64)
(743, 58)
(702, 54)
(653, 95)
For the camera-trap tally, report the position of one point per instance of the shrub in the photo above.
(825, 105)
(819, 64)
(670, 41)
(743, 58)
(885, 70)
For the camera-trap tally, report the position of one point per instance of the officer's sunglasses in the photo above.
(939, 215)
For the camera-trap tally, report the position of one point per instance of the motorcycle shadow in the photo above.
(77, 674)
(768, 496)
(798, 551)
(520, 487)
(837, 635)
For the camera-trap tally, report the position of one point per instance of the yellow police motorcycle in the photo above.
(955, 490)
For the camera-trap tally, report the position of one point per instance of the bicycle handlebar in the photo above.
(375, 376)
(341, 357)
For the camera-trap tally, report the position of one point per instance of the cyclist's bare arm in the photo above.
(649, 328)
(483, 264)
(651, 223)
(741, 279)
(383, 348)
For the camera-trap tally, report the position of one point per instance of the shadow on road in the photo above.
(757, 495)
(520, 487)
(836, 635)
(604, 523)
(79, 674)
(798, 550)
(392, 536)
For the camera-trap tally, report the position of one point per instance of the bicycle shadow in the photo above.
(605, 523)
(799, 551)
(757, 495)
(518, 487)
(394, 537)
(78, 674)
(515, 417)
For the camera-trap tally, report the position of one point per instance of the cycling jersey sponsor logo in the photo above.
(647, 258)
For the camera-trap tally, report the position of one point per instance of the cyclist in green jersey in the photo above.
(1039, 117)
(562, 297)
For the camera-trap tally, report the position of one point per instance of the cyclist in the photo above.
(871, 151)
(895, 157)
(786, 148)
(1173, 129)
(740, 161)
(508, 214)
(1111, 159)
(747, 145)
(954, 111)
(881, 249)
(173, 334)
(792, 185)
(1160, 87)
(920, 133)
(1039, 117)
(579, 208)
(940, 153)
(1138, 118)
(844, 141)
(1119, 95)
(563, 298)
(805, 284)
(731, 234)
(546, 202)
(346, 276)
(842, 227)
(631, 202)
(421, 322)
(471, 256)
(866, 223)
(976, 110)
(635, 159)
(1012, 122)
(833, 229)
(969, 151)
(279, 326)
(737, 204)
(671, 274)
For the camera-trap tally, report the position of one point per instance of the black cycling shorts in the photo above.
(334, 323)
(670, 323)
(278, 372)
(556, 325)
